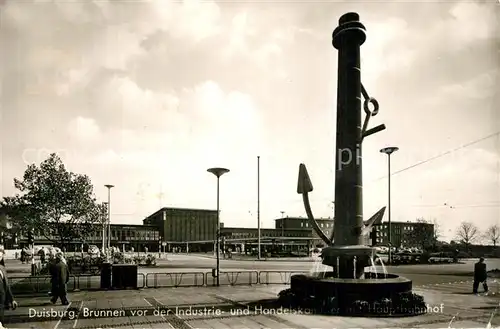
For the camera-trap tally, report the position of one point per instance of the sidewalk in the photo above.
(228, 307)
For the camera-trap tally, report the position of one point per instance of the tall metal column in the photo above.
(389, 151)
(258, 207)
(347, 38)
(108, 228)
(218, 172)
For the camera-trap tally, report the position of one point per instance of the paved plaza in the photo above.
(233, 307)
(446, 288)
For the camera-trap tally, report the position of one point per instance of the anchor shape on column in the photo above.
(304, 186)
(369, 100)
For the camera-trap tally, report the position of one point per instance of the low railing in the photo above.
(41, 284)
(276, 277)
(184, 279)
(235, 278)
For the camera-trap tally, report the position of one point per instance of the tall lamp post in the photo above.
(389, 151)
(282, 229)
(104, 225)
(218, 172)
(108, 233)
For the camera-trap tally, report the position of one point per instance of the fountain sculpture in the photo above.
(347, 289)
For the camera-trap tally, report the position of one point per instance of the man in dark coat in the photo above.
(6, 299)
(59, 277)
(480, 275)
(42, 255)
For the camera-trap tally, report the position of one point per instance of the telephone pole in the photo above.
(258, 206)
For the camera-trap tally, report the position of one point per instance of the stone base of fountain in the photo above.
(369, 294)
(377, 295)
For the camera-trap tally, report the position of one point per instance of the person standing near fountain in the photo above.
(6, 298)
(480, 276)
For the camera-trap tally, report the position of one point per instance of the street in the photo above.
(242, 281)
(421, 274)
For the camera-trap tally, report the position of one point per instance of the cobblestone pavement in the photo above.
(461, 287)
(226, 307)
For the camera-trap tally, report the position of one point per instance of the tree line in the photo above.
(467, 234)
(52, 201)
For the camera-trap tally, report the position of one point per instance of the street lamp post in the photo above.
(108, 237)
(389, 151)
(258, 207)
(218, 172)
(104, 216)
(282, 229)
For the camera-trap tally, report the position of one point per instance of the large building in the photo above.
(404, 234)
(246, 239)
(293, 223)
(123, 236)
(290, 223)
(185, 228)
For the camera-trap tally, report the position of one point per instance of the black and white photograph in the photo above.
(249, 164)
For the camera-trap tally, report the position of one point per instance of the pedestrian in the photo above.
(59, 277)
(23, 256)
(42, 255)
(6, 298)
(480, 276)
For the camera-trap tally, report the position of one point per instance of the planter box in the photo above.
(125, 276)
(106, 275)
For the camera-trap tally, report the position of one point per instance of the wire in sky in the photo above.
(487, 205)
(440, 155)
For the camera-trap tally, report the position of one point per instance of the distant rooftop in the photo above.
(300, 217)
(177, 208)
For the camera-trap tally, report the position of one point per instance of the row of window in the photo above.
(395, 228)
(322, 225)
(115, 235)
(266, 234)
(382, 240)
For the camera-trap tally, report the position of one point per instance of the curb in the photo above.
(257, 260)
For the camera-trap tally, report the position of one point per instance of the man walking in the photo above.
(6, 299)
(480, 276)
(59, 277)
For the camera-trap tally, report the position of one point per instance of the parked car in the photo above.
(442, 257)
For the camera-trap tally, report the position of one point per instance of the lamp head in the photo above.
(218, 171)
(389, 150)
(109, 185)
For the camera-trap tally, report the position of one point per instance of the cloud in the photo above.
(386, 49)
(483, 86)
(159, 91)
(84, 129)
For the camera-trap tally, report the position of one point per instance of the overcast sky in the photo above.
(148, 95)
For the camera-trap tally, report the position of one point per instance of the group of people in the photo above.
(59, 277)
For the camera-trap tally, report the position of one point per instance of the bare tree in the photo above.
(492, 234)
(467, 233)
(437, 229)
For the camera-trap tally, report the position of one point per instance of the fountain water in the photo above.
(319, 269)
(347, 289)
(384, 270)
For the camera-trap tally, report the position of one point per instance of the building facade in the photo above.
(244, 239)
(293, 223)
(185, 228)
(124, 236)
(405, 234)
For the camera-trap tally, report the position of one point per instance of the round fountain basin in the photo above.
(342, 251)
(384, 286)
(378, 294)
